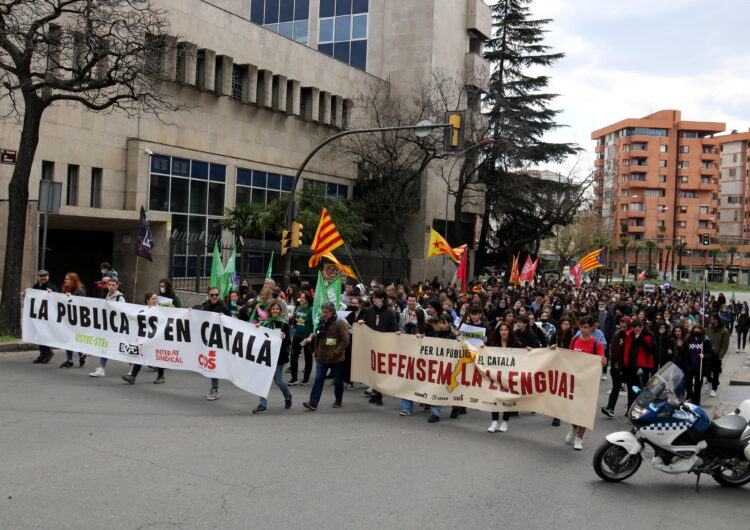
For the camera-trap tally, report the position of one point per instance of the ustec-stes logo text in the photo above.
(208, 361)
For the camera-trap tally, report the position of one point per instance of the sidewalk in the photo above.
(16, 345)
(734, 383)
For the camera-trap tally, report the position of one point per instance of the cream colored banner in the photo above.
(560, 383)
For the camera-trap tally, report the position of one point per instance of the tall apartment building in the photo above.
(265, 80)
(657, 179)
(734, 192)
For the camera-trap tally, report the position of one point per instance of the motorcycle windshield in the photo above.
(667, 383)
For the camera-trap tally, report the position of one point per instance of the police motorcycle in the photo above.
(682, 436)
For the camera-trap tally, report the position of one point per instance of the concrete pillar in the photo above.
(208, 72)
(292, 97)
(312, 103)
(169, 58)
(278, 101)
(324, 113)
(223, 81)
(252, 84)
(337, 109)
(264, 95)
(188, 53)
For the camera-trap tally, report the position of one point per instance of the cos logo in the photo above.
(208, 361)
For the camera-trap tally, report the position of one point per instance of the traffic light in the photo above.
(706, 240)
(296, 234)
(453, 137)
(284, 242)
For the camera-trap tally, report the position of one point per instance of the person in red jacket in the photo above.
(636, 356)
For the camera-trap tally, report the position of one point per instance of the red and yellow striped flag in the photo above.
(327, 238)
(458, 253)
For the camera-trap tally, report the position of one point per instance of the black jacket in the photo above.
(45, 286)
(380, 319)
(284, 352)
(527, 338)
(218, 307)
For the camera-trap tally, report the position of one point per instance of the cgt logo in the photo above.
(208, 362)
(129, 349)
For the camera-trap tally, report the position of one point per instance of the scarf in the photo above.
(268, 323)
(320, 331)
(258, 313)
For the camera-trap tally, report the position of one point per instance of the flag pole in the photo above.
(135, 277)
(703, 319)
(346, 247)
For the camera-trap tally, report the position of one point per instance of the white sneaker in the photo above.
(604, 377)
(571, 435)
(713, 393)
(493, 426)
(578, 444)
(99, 372)
(503, 426)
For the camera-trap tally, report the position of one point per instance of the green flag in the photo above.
(734, 299)
(326, 293)
(228, 277)
(270, 267)
(216, 268)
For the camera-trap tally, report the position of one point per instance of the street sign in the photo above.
(7, 156)
(50, 194)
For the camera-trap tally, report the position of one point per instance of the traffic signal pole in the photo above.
(291, 212)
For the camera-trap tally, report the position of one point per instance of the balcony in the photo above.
(477, 70)
(479, 19)
(636, 213)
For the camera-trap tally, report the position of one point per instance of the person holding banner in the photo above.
(380, 318)
(417, 326)
(151, 300)
(72, 286)
(113, 295)
(331, 340)
(277, 320)
(214, 305)
(43, 284)
(502, 337)
(167, 291)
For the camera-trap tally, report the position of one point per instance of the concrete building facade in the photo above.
(265, 81)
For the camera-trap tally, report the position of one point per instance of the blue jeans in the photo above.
(337, 369)
(46, 350)
(69, 354)
(278, 378)
(407, 404)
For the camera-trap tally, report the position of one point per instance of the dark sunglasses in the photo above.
(212, 295)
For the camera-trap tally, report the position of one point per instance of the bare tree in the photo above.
(585, 234)
(392, 163)
(102, 54)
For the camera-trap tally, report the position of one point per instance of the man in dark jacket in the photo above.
(380, 318)
(214, 305)
(718, 334)
(43, 284)
(331, 341)
(637, 358)
(525, 336)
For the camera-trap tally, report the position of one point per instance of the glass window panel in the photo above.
(286, 11)
(341, 32)
(259, 179)
(215, 199)
(213, 228)
(359, 27)
(179, 201)
(271, 196)
(180, 167)
(272, 12)
(343, 7)
(341, 51)
(256, 11)
(218, 173)
(302, 10)
(326, 30)
(286, 29)
(244, 177)
(160, 164)
(197, 224)
(159, 193)
(332, 190)
(272, 27)
(359, 54)
(199, 170)
(179, 223)
(286, 183)
(241, 195)
(326, 48)
(300, 31)
(274, 181)
(327, 8)
(360, 6)
(343, 191)
(198, 196)
(259, 197)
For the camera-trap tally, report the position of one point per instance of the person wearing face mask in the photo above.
(380, 318)
(246, 292)
(743, 325)
(302, 338)
(167, 291)
(557, 310)
(662, 346)
(694, 359)
(547, 327)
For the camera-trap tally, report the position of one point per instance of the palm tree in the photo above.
(713, 252)
(668, 249)
(679, 247)
(732, 251)
(624, 243)
(245, 220)
(636, 247)
(650, 245)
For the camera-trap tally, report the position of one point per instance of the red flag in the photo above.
(461, 272)
(532, 272)
(526, 271)
(642, 275)
(577, 274)
(513, 280)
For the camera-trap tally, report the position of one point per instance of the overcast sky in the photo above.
(628, 59)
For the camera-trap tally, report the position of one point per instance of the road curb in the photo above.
(12, 346)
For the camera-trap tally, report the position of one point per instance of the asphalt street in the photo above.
(80, 453)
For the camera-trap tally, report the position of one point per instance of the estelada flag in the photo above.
(144, 243)
(592, 260)
(577, 274)
(526, 271)
(327, 238)
(439, 246)
(642, 275)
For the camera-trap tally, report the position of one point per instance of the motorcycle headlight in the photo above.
(636, 412)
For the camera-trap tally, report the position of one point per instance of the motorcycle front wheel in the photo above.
(733, 476)
(613, 463)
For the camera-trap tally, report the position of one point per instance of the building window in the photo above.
(96, 187)
(734, 200)
(343, 31)
(684, 164)
(688, 195)
(662, 163)
(261, 187)
(654, 193)
(684, 149)
(192, 190)
(681, 224)
(690, 134)
(237, 75)
(684, 179)
(643, 131)
(72, 189)
(662, 148)
(48, 170)
(662, 178)
(683, 209)
(638, 177)
(289, 18)
(332, 190)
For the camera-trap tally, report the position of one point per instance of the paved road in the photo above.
(82, 453)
